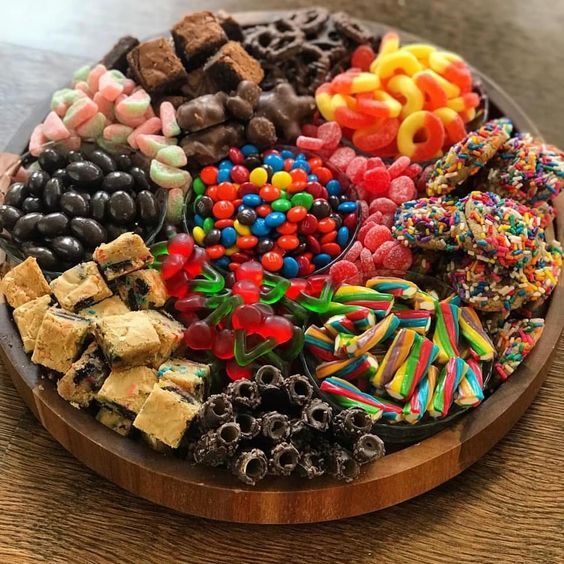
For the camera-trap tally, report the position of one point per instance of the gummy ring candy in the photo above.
(375, 137)
(451, 90)
(434, 131)
(421, 50)
(386, 66)
(355, 83)
(407, 89)
(435, 96)
(465, 102)
(453, 124)
(453, 68)
(390, 43)
(323, 96)
(352, 119)
(379, 104)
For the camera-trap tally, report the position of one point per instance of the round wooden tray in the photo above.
(215, 494)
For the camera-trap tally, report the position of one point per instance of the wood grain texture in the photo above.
(504, 508)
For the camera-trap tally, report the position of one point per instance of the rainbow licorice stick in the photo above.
(396, 286)
(446, 331)
(473, 331)
(349, 368)
(395, 357)
(470, 392)
(418, 320)
(415, 367)
(420, 401)
(351, 345)
(451, 375)
(380, 303)
(319, 343)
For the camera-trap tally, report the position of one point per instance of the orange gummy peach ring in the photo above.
(432, 129)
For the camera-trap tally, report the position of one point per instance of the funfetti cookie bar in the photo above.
(28, 318)
(109, 306)
(143, 289)
(59, 339)
(193, 377)
(125, 254)
(24, 283)
(80, 286)
(85, 377)
(170, 334)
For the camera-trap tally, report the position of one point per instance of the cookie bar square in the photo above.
(80, 286)
(123, 255)
(85, 377)
(24, 283)
(155, 65)
(193, 377)
(197, 36)
(143, 289)
(126, 389)
(109, 306)
(28, 318)
(170, 334)
(232, 64)
(59, 339)
(166, 414)
(127, 340)
(115, 421)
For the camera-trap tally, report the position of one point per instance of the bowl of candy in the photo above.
(404, 349)
(61, 204)
(286, 208)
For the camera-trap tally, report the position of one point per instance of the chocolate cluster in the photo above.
(305, 48)
(274, 425)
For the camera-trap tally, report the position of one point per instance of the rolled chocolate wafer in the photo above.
(249, 425)
(208, 451)
(351, 423)
(228, 436)
(367, 448)
(283, 459)
(341, 464)
(311, 464)
(244, 393)
(268, 378)
(215, 411)
(275, 426)
(250, 466)
(318, 415)
(298, 388)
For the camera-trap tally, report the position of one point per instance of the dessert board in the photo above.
(213, 493)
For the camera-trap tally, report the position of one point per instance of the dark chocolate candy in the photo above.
(202, 112)
(116, 57)
(211, 145)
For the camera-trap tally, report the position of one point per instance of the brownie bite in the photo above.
(155, 65)
(116, 57)
(197, 37)
(232, 64)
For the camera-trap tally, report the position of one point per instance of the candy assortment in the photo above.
(258, 247)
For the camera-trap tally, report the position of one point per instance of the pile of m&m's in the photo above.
(291, 212)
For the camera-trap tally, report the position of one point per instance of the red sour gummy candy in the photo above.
(236, 372)
(362, 57)
(398, 258)
(247, 317)
(330, 133)
(377, 181)
(309, 143)
(172, 265)
(376, 236)
(181, 244)
(199, 336)
(356, 169)
(342, 157)
(398, 166)
(251, 270)
(224, 345)
(367, 262)
(363, 231)
(384, 205)
(354, 252)
(402, 189)
(248, 290)
(344, 271)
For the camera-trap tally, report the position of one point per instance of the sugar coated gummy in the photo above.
(344, 271)
(377, 235)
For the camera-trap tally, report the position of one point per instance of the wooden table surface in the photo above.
(505, 508)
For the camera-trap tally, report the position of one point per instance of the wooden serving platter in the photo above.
(215, 494)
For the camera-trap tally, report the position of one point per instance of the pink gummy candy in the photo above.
(79, 112)
(398, 257)
(93, 78)
(151, 126)
(309, 143)
(363, 231)
(367, 263)
(356, 169)
(377, 235)
(342, 157)
(150, 145)
(93, 127)
(330, 133)
(364, 212)
(375, 162)
(117, 133)
(37, 140)
(168, 120)
(84, 88)
(134, 106)
(54, 128)
(402, 189)
(105, 106)
(354, 252)
(384, 205)
(398, 167)
(381, 251)
(344, 271)
(128, 86)
(109, 86)
(309, 130)
(413, 170)
(377, 181)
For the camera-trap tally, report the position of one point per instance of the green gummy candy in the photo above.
(81, 74)
(118, 75)
(109, 146)
(136, 107)
(93, 128)
(168, 176)
(172, 156)
(174, 206)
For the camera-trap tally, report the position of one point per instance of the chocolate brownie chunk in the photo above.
(230, 25)
(116, 57)
(155, 66)
(232, 64)
(197, 37)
